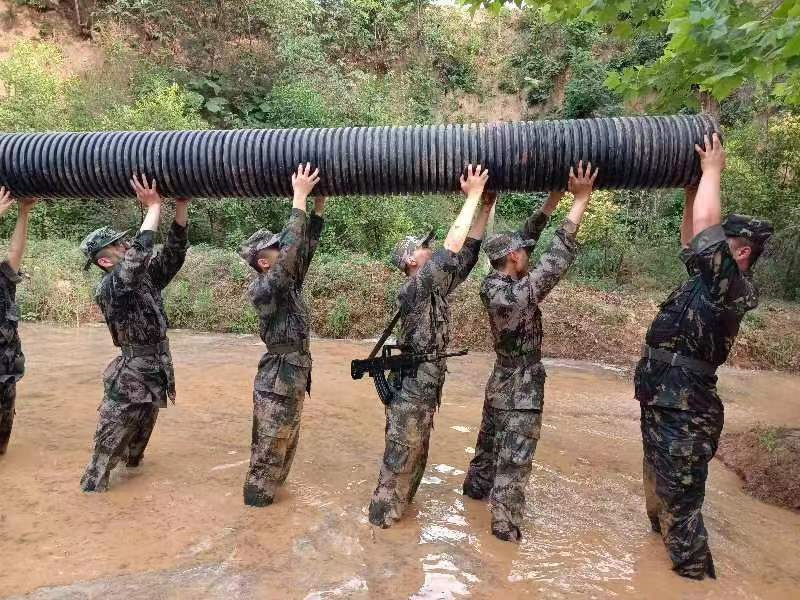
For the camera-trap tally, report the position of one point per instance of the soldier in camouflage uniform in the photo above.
(425, 328)
(512, 412)
(139, 381)
(284, 373)
(12, 361)
(675, 381)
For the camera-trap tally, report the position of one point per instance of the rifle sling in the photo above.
(385, 335)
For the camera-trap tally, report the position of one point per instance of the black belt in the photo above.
(288, 347)
(678, 360)
(131, 351)
(514, 361)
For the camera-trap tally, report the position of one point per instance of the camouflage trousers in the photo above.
(409, 421)
(123, 431)
(8, 397)
(276, 430)
(502, 465)
(678, 445)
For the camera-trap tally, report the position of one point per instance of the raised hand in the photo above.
(712, 155)
(473, 182)
(582, 182)
(6, 201)
(147, 194)
(304, 180)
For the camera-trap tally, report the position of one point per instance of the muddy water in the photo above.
(178, 528)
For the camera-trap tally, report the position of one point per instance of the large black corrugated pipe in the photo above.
(632, 152)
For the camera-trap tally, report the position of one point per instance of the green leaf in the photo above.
(216, 104)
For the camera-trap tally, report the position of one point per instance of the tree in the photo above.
(715, 46)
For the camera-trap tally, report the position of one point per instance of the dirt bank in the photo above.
(178, 528)
(768, 459)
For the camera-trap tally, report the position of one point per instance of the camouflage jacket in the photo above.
(422, 298)
(517, 380)
(130, 298)
(12, 361)
(700, 319)
(282, 312)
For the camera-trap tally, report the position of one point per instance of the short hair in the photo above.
(755, 249)
(260, 254)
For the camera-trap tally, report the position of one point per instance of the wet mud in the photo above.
(177, 527)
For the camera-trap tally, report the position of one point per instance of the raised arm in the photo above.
(166, 264)
(707, 210)
(313, 232)
(19, 239)
(472, 185)
(133, 267)
(271, 287)
(536, 223)
(687, 224)
(557, 259)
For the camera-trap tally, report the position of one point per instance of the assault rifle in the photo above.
(400, 365)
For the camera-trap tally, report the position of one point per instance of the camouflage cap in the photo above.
(406, 247)
(99, 239)
(503, 244)
(756, 230)
(260, 240)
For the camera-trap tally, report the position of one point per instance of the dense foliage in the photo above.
(265, 63)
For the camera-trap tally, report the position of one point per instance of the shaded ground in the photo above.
(178, 529)
(768, 459)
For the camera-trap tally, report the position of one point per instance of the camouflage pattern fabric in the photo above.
(424, 327)
(517, 380)
(422, 299)
(678, 445)
(12, 361)
(135, 387)
(282, 378)
(8, 396)
(758, 231)
(512, 416)
(502, 465)
(682, 414)
(409, 421)
(123, 430)
(700, 319)
(130, 299)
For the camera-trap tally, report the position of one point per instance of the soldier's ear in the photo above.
(104, 262)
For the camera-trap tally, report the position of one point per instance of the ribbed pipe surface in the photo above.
(632, 152)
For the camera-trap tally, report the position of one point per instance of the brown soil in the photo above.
(176, 527)
(768, 459)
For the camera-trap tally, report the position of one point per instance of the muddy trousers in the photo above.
(678, 445)
(8, 397)
(502, 465)
(123, 431)
(408, 434)
(276, 431)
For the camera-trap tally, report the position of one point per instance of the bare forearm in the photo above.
(707, 210)
(299, 201)
(16, 247)
(182, 213)
(460, 229)
(552, 202)
(578, 209)
(152, 218)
